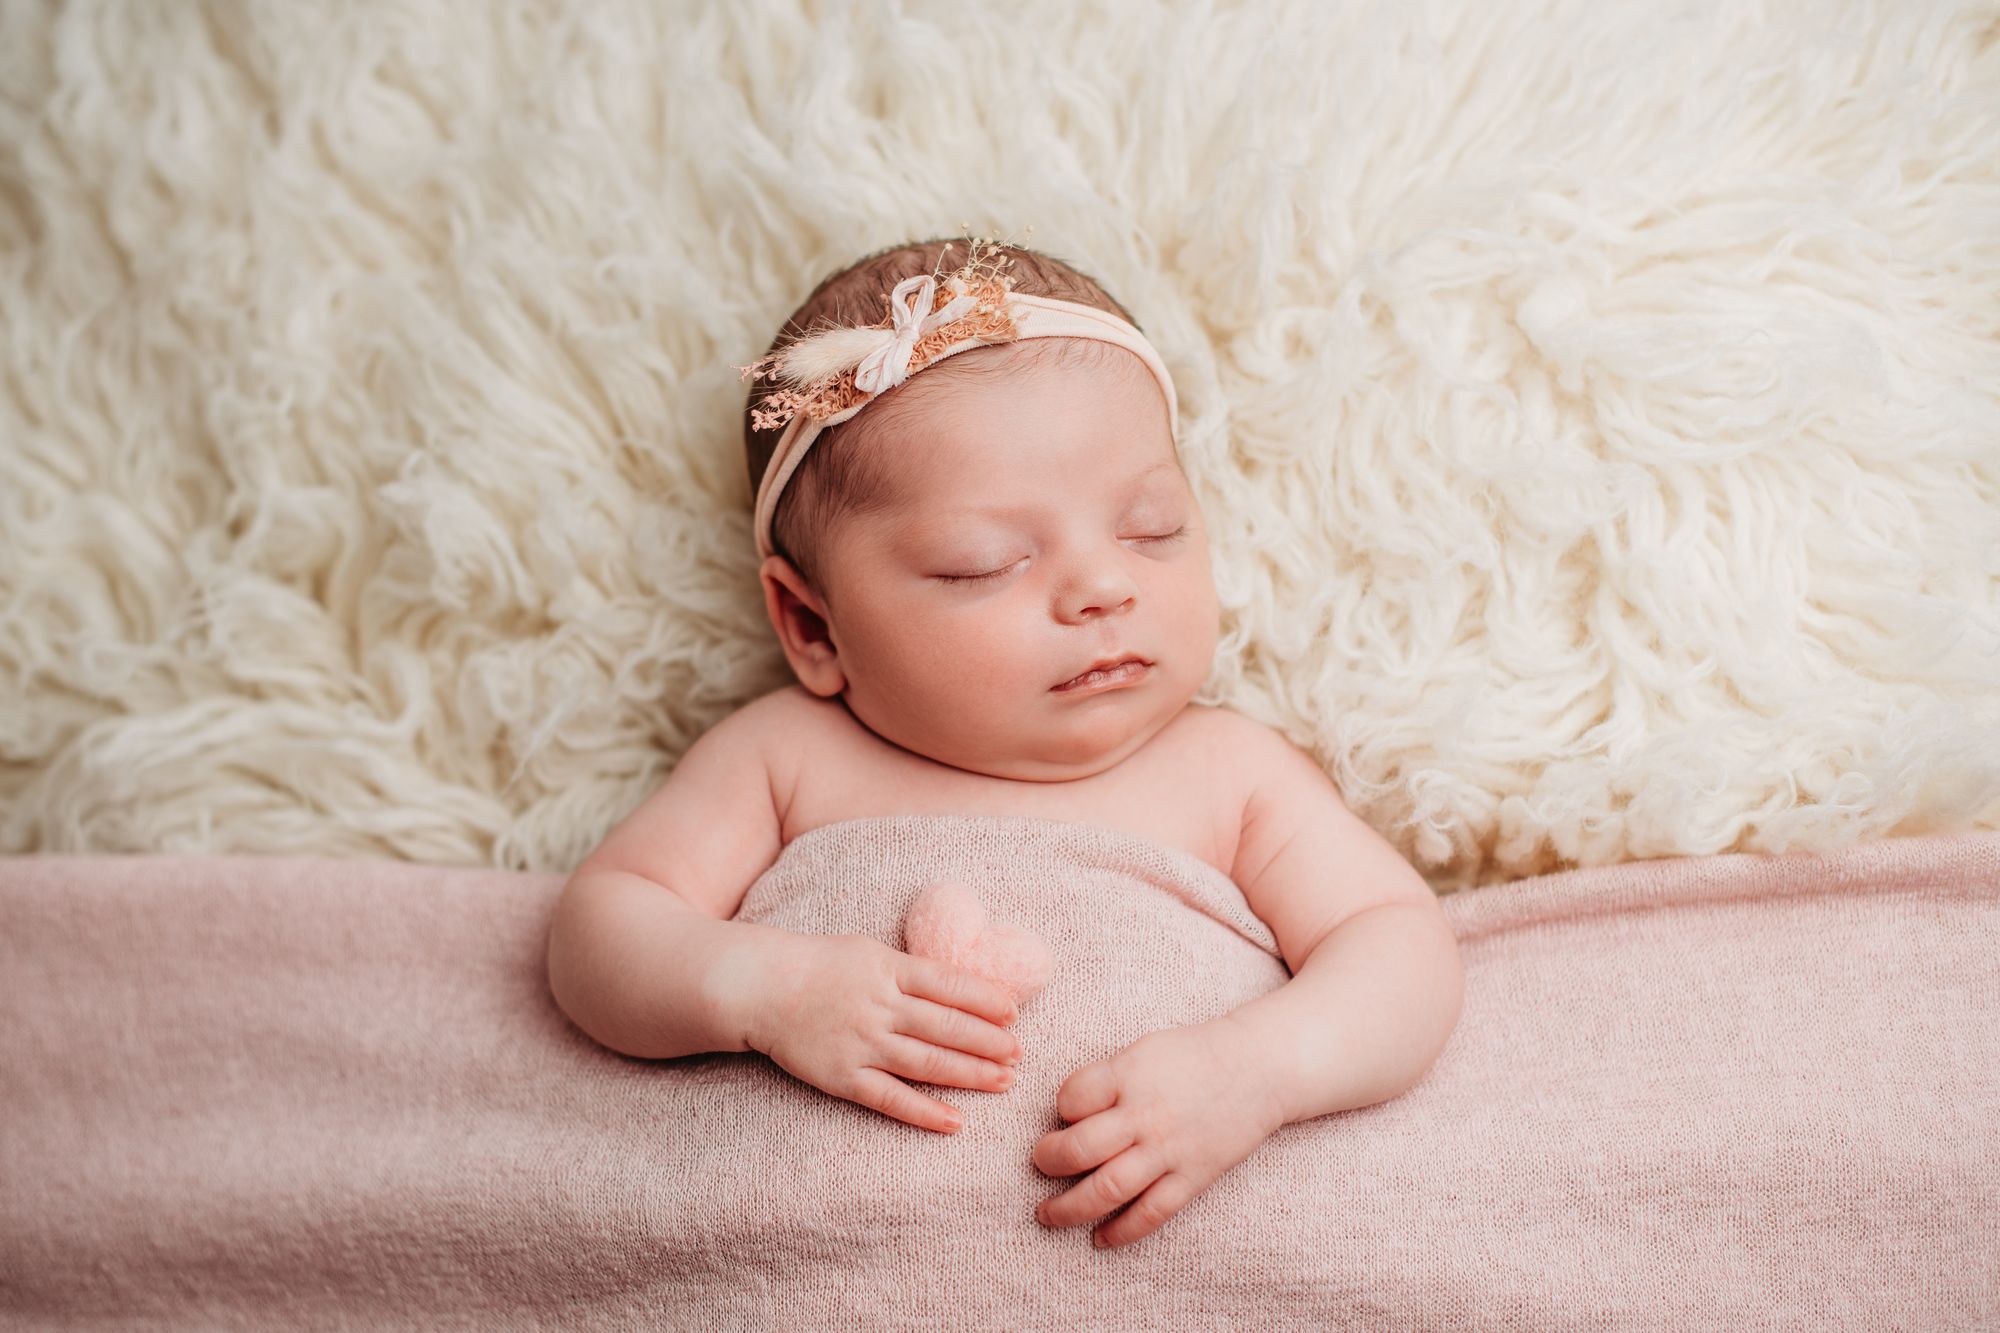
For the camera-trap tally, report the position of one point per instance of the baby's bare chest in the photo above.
(1184, 791)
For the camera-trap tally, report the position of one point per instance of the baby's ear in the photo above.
(798, 614)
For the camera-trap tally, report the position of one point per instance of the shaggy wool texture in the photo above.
(1595, 407)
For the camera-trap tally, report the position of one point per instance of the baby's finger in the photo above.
(945, 1026)
(878, 1091)
(926, 1063)
(956, 987)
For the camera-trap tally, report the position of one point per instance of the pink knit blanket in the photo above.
(1730, 1091)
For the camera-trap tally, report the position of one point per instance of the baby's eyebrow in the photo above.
(1009, 511)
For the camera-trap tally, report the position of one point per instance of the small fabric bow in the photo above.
(889, 365)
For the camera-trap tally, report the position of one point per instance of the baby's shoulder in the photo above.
(793, 702)
(1240, 730)
(753, 726)
(791, 723)
(1221, 738)
(1242, 758)
(782, 713)
(1228, 753)
(793, 711)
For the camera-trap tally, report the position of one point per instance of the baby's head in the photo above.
(1047, 468)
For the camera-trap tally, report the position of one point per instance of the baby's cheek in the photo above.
(977, 659)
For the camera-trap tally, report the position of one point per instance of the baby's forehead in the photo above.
(936, 501)
(980, 402)
(955, 428)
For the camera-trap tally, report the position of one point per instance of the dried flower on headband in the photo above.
(832, 369)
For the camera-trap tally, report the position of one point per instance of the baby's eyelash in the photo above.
(1175, 535)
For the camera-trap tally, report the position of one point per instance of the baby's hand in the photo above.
(847, 1012)
(1174, 1110)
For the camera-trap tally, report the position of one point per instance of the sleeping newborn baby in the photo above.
(993, 588)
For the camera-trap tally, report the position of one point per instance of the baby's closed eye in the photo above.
(1161, 538)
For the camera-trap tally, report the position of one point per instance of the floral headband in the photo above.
(836, 372)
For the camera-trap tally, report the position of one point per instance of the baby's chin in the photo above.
(1055, 751)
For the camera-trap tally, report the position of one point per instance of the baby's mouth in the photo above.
(1130, 668)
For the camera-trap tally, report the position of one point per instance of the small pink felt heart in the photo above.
(947, 923)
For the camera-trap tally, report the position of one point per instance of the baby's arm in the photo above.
(643, 954)
(645, 958)
(1375, 991)
(1377, 982)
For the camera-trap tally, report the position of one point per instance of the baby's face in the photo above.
(1058, 484)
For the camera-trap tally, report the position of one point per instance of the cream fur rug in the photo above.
(1596, 406)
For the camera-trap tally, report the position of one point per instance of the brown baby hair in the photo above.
(848, 471)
